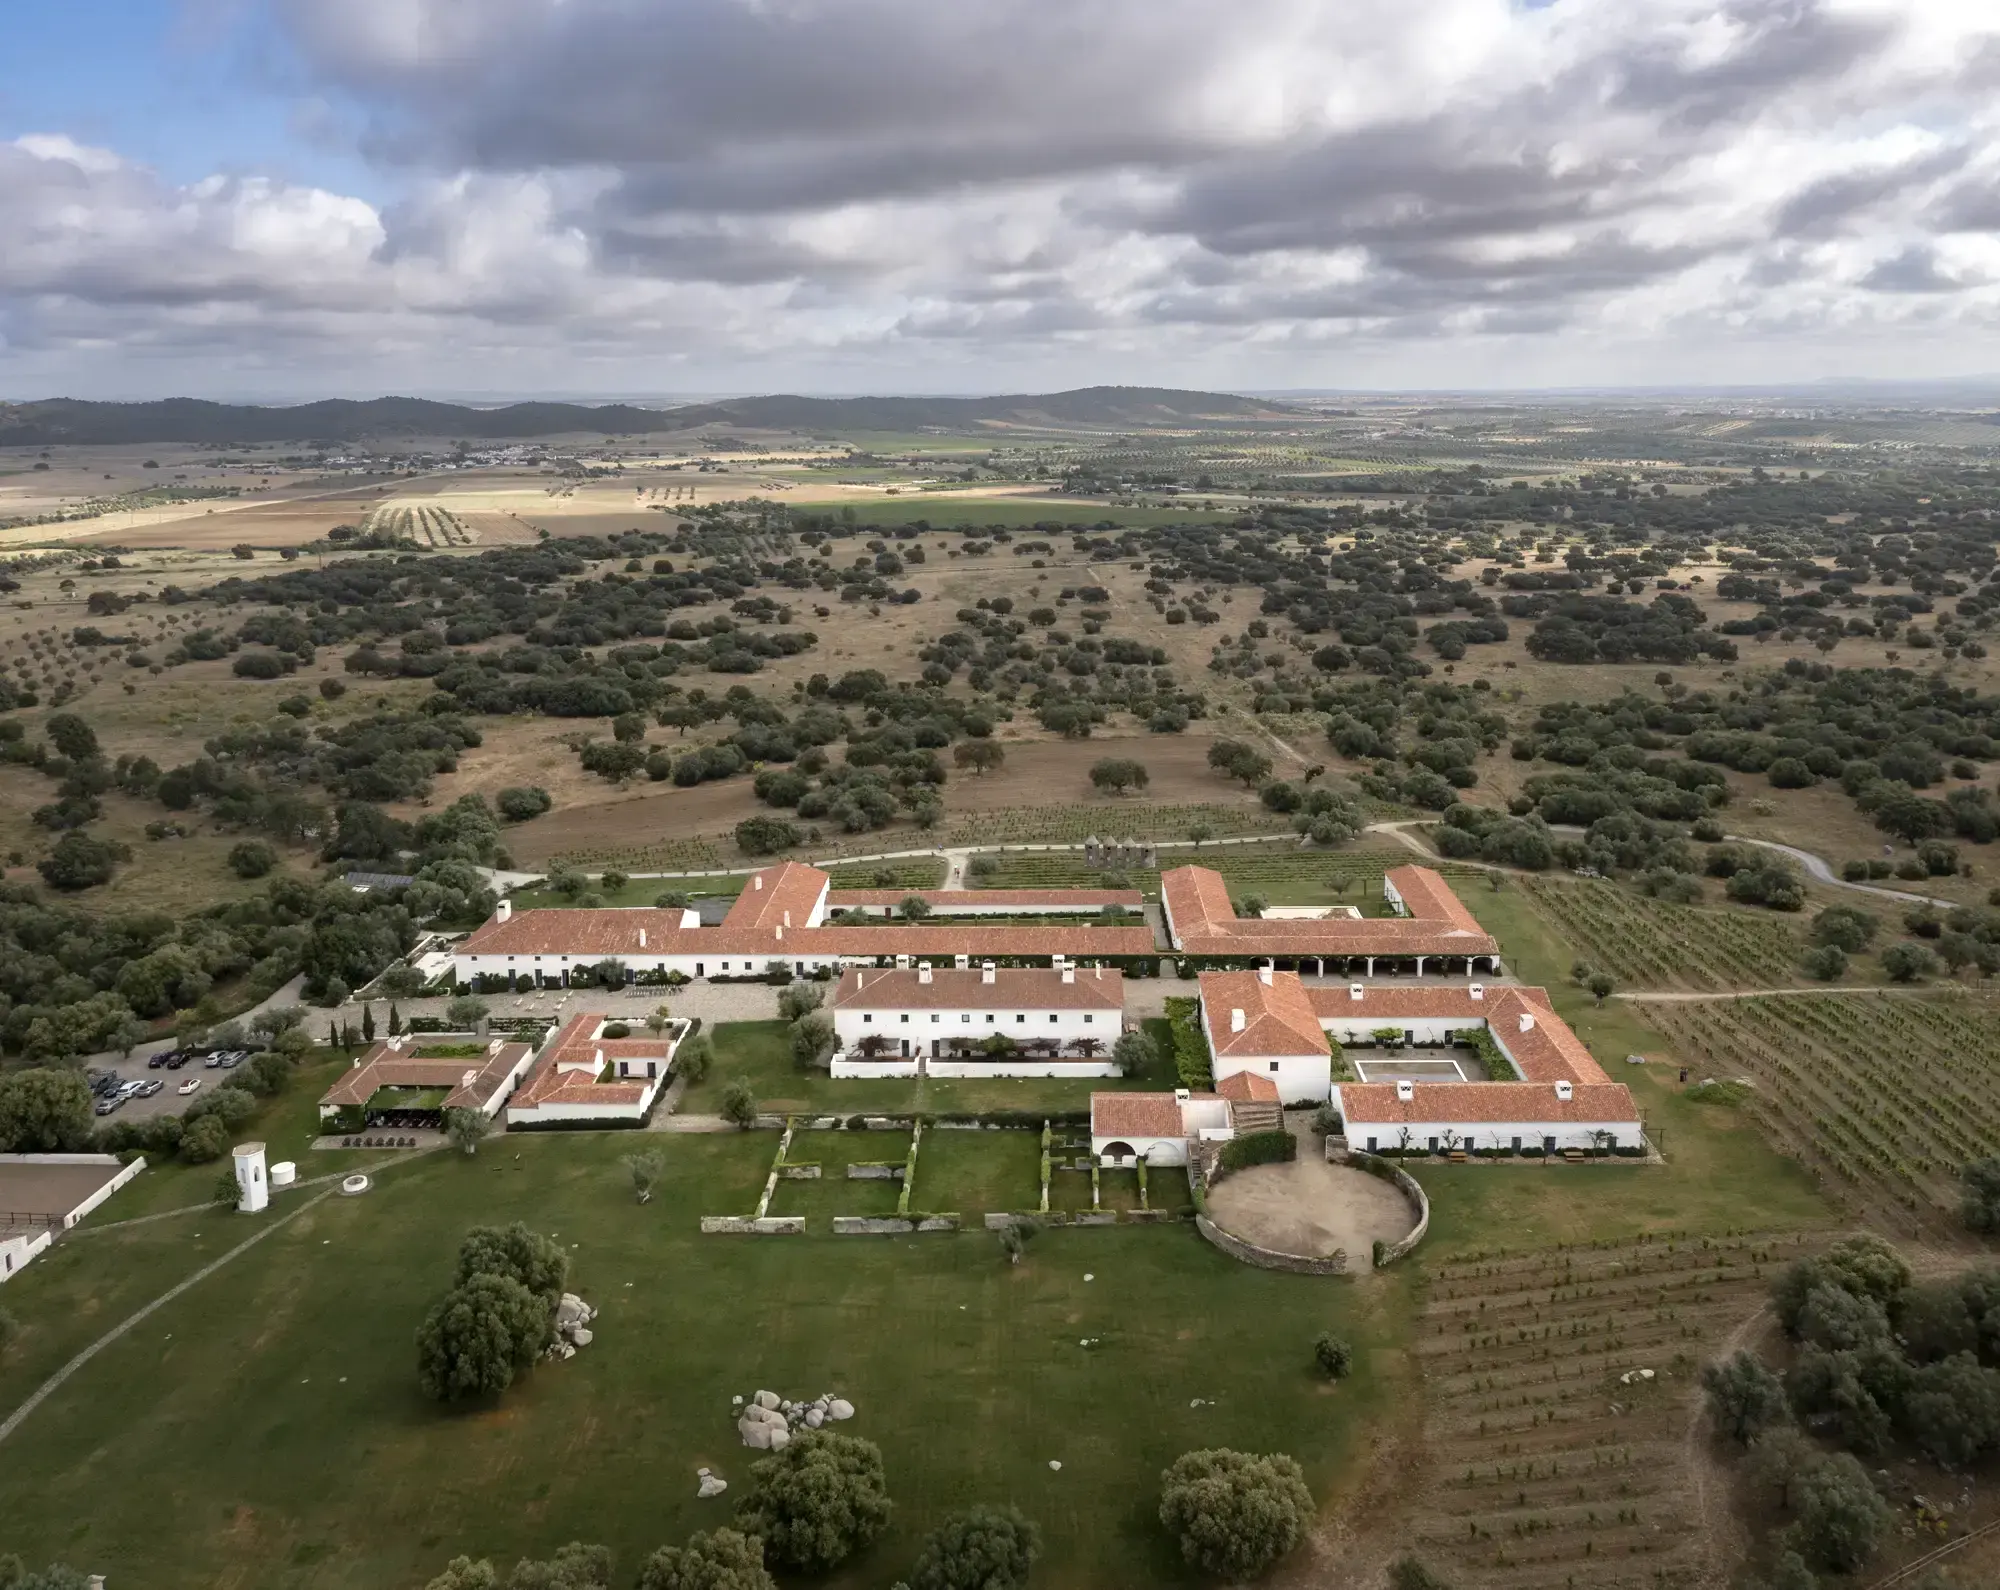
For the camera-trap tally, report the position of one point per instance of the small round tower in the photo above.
(253, 1184)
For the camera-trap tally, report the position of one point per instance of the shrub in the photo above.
(1259, 1148)
(616, 1029)
(817, 1501)
(1234, 1513)
(692, 1059)
(739, 1106)
(80, 862)
(983, 1548)
(521, 802)
(1842, 1518)
(1909, 963)
(765, 836)
(1827, 963)
(725, 1560)
(204, 1140)
(252, 858)
(1334, 1355)
(1980, 1201)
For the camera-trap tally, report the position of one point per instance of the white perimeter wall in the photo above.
(850, 1025)
(1428, 1029)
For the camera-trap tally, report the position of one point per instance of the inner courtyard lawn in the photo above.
(759, 1053)
(265, 1427)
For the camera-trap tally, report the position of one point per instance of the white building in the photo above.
(1156, 1127)
(943, 1014)
(581, 1077)
(1262, 1023)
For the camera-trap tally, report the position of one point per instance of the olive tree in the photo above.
(725, 1560)
(1235, 1513)
(739, 1106)
(1744, 1397)
(1842, 1518)
(1980, 1201)
(817, 1501)
(464, 1128)
(479, 1335)
(983, 1548)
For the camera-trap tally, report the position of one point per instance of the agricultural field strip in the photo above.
(1289, 865)
(1533, 1472)
(1653, 944)
(1884, 1097)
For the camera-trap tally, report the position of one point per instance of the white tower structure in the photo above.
(253, 1185)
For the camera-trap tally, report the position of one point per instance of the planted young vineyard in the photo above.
(1651, 944)
(1338, 877)
(1550, 1466)
(1883, 1096)
(1020, 825)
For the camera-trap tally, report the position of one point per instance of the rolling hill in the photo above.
(71, 422)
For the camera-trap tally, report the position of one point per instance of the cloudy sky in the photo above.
(296, 198)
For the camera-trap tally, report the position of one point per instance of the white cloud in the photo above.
(901, 193)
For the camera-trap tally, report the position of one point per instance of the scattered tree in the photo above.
(1235, 1513)
(1979, 1204)
(464, 1129)
(1842, 1518)
(1334, 1355)
(466, 1012)
(739, 1106)
(1744, 1397)
(983, 1548)
(1119, 774)
(724, 1560)
(645, 1170)
(486, 1329)
(914, 908)
(1600, 985)
(817, 1501)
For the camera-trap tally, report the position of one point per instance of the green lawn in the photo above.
(265, 1428)
(976, 1173)
(833, 1194)
(757, 1052)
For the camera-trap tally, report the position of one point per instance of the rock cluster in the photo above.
(712, 1484)
(768, 1421)
(573, 1317)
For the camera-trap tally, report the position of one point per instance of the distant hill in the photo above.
(68, 421)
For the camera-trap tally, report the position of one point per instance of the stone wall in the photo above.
(769, 1226)
(891, 1225)
(1334, 1263)
(1408, 1185)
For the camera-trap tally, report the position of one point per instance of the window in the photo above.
(1274, 1065)
(1018, 1016)
(1053, 1018)
(935, 1020)
(904, 1018)
(1086, 1021)
(867, 1020)
(965, 1018)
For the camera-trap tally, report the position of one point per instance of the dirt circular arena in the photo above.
(1311, 1208)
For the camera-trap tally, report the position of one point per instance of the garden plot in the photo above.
(977, 1173)
(833, 1191)
(1560, 1385)
(1650, 944)
(1883, 1097)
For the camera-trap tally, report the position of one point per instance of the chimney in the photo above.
(1565, 1091)
(1527, 1021)
(962, 962)
(1069, 974)
(1236, 1021)
(503, 910)
(924, 973)
(642, 938)
(1182, 1095)
(987, 973)
(1264, 975)
(1405, 1092)
(1098, 972)
(788, 919)
(781, 934)
(1477, 990)
(1355, 990)
(757, 880)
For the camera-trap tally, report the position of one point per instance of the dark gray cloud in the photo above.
(764, 182)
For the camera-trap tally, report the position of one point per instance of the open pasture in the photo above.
(271, 1419)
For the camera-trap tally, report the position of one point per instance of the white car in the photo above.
(188, 1086)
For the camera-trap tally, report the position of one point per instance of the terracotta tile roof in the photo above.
(1247, 1087)
(1470, 1103)
(780, 896)
(1391, 1002)
(598, 934)
(1549, 1051)
(1040, 988)
(393, 1063)
(1135, 1115)
(1278, 1019)
(992, 899)
(1204, 923)
(548, 1082)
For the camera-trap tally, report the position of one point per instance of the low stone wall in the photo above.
(1086, 1217)
(864, 1172)
(891, 1225)
(1334, 1263)
(739, 1226)
(799, 1172)
(1408, 1185)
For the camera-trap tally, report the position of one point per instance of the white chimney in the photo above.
(1264, 975)
(924, 973)
(1236, 1021)
(1182, 1095)
(987, 974)
(1527, 1021)
(781, 933)
(503, 910)
(1069, 974)
(962, 962)
(1354, 990)
(1405, 1092)
(788, 919)
(642, 938)
(1565, 1091)
(1478, 990)
(757, 880)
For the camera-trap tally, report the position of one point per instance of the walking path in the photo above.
(54, 1383)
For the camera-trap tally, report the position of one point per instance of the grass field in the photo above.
(757, 1052)
(270, 1418)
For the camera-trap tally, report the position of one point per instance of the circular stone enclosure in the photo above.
(1309, 1208)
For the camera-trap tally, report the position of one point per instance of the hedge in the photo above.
(1192, 1061)
(1259, 1148)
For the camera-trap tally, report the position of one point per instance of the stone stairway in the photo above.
(1257, 1115)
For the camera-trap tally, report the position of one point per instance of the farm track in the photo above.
(1544, 1467)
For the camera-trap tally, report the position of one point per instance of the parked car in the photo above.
(146, 1089)
(214, 1061)
(179, 1060)
(155, 1061)
(233, 1059)
(188, 1086)
(111, 1104)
